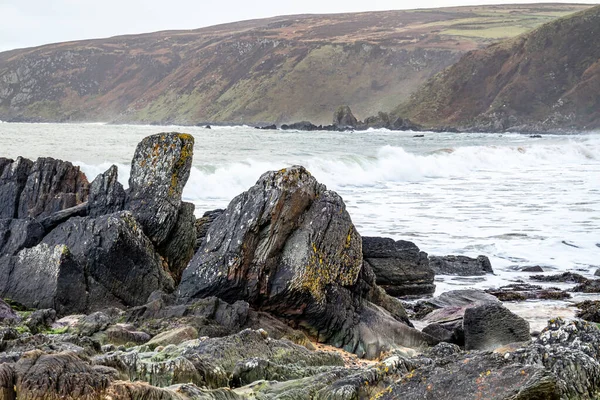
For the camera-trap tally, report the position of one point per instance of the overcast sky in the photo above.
(26, 23)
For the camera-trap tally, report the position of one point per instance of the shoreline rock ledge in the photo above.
(288, 247)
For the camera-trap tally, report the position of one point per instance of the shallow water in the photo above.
(521, 201)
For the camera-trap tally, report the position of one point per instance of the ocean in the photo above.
(519, 200)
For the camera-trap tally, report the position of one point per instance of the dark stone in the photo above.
(461, 298)
(207, 127)
(106, 194)
(568, 277)
(18, 234)
(40, 320)
(46, 276)
(93, 323)
(489, 326)
(178, 249)
(524, 291)
(288, 247)
(344, 118)
(271, 127)
(159, 170)
(589, 286)
(460, 265)
(52, 185)
(202, 225)
(533, 268)
(597, 273)
(119, 266)
(13, 179)
(440, 332)
(53, 220)
(589, 310)
(300, 126)
(400, 267)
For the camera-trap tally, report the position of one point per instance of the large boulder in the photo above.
(492, 325)
(460, 265)
(120, 265)
(288, 247)
(400, 267)
(17, 234)
(159, 170)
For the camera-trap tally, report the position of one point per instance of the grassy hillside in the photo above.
(272, 70)
(548, 79)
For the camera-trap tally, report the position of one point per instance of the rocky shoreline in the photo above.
(114, 293)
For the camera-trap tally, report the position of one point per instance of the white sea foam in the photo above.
(520, 200)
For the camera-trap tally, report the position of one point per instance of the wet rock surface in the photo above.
(401, 269)
(460, 265)
(489, 326)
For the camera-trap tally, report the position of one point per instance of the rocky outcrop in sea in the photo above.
(113, 293)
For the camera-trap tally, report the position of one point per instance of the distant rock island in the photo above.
(272, 71)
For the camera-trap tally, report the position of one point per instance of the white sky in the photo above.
(26, 23)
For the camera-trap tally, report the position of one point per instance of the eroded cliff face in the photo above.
(547, 80)
(281, 69)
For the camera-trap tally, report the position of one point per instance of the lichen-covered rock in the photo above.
(159, 170)
(106, 194)
(121, 265)
(13, 178)
(121, 334)
(400, 267)
(288, 247)
(52, 185)
(460, 265)
(90, 324)
(488, 326)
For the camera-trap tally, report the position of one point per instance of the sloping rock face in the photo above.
(106, 194)
(13, 177)
(288, 246)
(344, 118)
(119, 262)
(488, 326)
(400, 267)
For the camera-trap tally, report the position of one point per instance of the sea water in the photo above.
(519, 200)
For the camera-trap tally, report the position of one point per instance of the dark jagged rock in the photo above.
(568, 277)
(441, 333)
(13, 179)
(106, 194)
(288, 247)
(178, 250)
(118, 264)
(343, 118)
(300, 126)
(525, 291)
(159, 170)
(589, 286)
(589, 310)
(203, 223)
(460, 265)
(52, 185)
(400, 267)
(488, 326)
(53, 220)
(533, 268)
(271, 127)
(461, 298)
